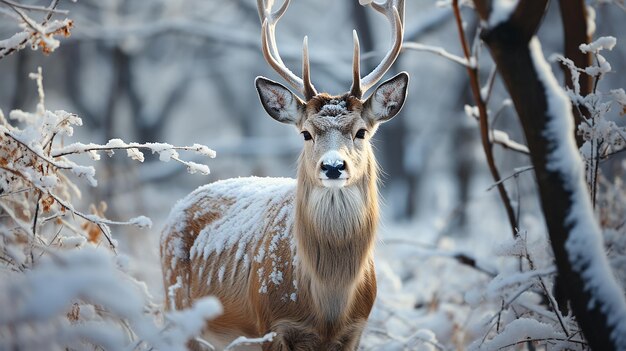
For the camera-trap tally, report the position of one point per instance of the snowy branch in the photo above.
(36, 34)
(439, 51)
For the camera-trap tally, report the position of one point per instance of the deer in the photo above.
(292, 257)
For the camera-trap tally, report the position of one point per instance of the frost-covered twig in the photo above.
(439, 51)
(166, 152)
(118, 144)
(34, 152)
(516, 173)
(502, 138)
(102, 223)
(548, 294)
(484, 121)
(34, 33)
(34, 7)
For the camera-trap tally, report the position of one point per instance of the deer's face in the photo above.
(336, 129)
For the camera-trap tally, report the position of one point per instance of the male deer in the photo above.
(289, 256)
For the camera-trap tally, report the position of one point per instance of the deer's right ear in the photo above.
(279, 102)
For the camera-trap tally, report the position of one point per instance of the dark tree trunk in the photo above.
(509, 46)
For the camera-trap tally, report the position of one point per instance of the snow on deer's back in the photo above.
(226, 229)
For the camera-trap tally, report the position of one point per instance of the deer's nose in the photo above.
(333, 170)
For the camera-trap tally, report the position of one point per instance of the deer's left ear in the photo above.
(387, 100)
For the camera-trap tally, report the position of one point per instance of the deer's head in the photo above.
(336, 129)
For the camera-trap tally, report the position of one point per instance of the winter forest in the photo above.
(502, 179)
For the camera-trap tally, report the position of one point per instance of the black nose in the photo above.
(333, 171)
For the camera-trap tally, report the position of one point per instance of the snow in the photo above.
(503, 138)
(584, 244)
(525, 328)
(73, 241)
(135, 154)
(333, 108)
(14, 41)
(242, 340)
(599, 44)
(603, 67)
(193, 167)
(171, 291)
(141, 222)
(204, 150)
(194, 319)
(591, 21)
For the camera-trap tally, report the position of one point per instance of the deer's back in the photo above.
(232, 239)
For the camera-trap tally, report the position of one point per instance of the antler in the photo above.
(394, 11)
(270, 50)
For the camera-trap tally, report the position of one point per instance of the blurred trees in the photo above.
(132, 69)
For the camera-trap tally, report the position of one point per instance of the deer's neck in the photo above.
(335, 232)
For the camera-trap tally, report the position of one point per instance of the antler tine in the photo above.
(355, 90)
(385, 8)
(309, 90)
(397, 31)
(270, 49)
(390, 9)
(264, 8)
(279, 67)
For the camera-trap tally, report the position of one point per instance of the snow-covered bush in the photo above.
(63, 284)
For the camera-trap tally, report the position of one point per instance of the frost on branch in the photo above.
(33, 33)
(603, 138)
(62, 285)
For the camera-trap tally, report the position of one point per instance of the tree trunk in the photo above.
(600, 318)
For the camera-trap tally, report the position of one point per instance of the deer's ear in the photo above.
(279, 102)
(387, 100)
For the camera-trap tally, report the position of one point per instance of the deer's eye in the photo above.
(360, 134)
(307, 135)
